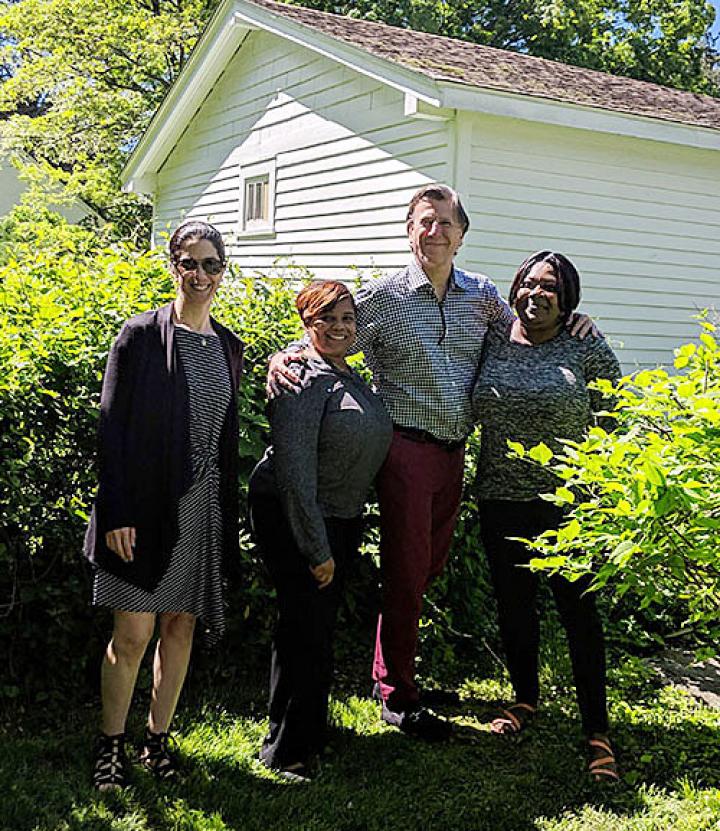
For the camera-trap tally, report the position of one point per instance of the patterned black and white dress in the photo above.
(193, 581)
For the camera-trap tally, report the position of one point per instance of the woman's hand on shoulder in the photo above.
(324, 573)
(122, 542)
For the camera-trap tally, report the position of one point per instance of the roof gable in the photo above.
(442, 72)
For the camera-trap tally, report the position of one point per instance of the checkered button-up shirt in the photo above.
(424, 354)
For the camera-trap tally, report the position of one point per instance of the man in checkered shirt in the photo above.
(422, 332)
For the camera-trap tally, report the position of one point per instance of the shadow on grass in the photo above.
(373, 777)
(387, 780)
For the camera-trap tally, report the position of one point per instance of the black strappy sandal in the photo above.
(112, 768)
(156, 756)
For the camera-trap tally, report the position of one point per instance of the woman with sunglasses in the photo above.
(166, 512)
(532, 388)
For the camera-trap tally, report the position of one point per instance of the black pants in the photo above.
(302, 650)
(516, 590)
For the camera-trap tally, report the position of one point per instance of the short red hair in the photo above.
(319, 297)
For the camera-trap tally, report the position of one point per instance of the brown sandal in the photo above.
(602, 765)
(514, 719)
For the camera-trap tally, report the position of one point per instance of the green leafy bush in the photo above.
(64, 294)
(644, 500)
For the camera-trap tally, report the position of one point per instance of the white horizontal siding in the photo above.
(641, 220)
(347, 161)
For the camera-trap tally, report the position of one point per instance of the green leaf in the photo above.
(622, 552)
(624, 508)
(540, 453)
(687, 388)
(687, 350)
(547, 563)
(565, 495)
(643, 378)
(653, 473)
(570, 531)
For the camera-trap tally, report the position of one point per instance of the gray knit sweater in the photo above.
(533, 394)
(328, 443)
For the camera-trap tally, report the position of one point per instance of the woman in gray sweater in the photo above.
(307, 497)
(532, 388)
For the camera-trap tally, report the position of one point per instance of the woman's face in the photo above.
(198, 270)
(536, 301)
(332, 333)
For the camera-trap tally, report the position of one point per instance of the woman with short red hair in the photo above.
(307, 497)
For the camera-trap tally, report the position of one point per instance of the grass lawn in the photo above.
(376, 778)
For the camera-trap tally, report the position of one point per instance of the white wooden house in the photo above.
(302, 135)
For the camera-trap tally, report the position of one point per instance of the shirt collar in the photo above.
(459, 280)
(417, 278)
(319, 364)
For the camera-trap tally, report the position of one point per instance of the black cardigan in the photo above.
(144, 459)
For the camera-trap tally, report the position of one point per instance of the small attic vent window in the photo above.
(257, 195)
(257, 208)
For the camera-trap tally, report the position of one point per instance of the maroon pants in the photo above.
(419, 489)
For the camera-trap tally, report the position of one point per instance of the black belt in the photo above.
(422, 436)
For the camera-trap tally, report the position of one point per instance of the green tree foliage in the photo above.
(644, 500)
(80, 79)
(94, 71)
(664, 41)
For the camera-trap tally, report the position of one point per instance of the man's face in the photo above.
(435, 234)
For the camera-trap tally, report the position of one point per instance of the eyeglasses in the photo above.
(210, 265)
(543, 285)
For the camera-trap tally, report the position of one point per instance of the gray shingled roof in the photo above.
(447, 59)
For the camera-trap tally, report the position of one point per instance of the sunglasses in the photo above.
(210, 265)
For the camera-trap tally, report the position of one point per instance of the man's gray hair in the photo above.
(442, 193)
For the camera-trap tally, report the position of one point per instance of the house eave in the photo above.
(404, 79)
(425, 97)
(565, 114)
(206, 64)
